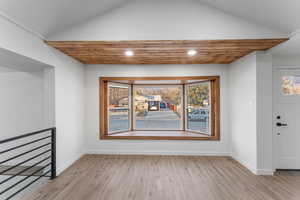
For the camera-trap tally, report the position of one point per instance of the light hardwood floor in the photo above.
(124, 177)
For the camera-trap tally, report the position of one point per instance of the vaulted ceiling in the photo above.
(52, 16)
(282, 15)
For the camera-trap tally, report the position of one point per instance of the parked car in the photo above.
(153, 105)
(163, 105)
(153, 108)
(198, 115)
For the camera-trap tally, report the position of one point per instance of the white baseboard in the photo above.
(254, 170)
(264, 172)
(67, 164)
(245, 164)
(190, 153)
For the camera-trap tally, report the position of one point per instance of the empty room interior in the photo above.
(149, 100)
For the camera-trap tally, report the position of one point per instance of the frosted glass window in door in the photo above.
(290, 85)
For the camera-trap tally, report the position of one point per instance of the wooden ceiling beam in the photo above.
(163, 51)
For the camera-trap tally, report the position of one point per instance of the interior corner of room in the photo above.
(189, 91)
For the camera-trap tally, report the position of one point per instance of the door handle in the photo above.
(280, 124)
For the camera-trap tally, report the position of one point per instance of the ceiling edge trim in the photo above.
(11, 20)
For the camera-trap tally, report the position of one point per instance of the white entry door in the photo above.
(287, 118)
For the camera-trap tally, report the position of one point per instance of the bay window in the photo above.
(184, 108)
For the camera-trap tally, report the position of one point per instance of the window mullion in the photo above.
(131, 108)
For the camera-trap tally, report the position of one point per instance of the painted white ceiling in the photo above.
(11, 61)
(46, 17)
(282, 15)
(162, 20)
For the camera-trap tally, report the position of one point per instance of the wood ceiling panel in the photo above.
(163, 51)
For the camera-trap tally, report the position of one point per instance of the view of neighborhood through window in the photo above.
(118, 109)
(291, 85)
(198, 107)
(157, 107)
(160, 107)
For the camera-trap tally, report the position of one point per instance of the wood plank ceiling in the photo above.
(163, 51)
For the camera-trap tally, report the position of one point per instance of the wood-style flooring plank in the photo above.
(138, 177)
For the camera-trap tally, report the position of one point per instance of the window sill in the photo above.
(159, 135)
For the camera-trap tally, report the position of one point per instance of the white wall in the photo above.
(286, 60)
(69, 110)
(251, 111)
(21, 102)
(22, 108)
(165, 19)
(242, 104)
(68, 86)
(94, 145)
(264, 115)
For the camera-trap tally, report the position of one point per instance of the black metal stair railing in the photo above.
(21, 164)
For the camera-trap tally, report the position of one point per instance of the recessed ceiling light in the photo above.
(129, 53)
(191, 52)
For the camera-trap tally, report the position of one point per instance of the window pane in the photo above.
(158, 107)
(198, 107)
(118, 107)
(290, 85)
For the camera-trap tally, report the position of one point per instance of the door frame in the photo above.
(275, 141)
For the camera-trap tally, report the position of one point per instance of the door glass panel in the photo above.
(118, 109)
(290, 85)
(157, 107)
(198, 107)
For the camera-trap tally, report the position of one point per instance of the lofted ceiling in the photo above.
(282, 15)
(53, 16)
(47, 17)
(162, 51)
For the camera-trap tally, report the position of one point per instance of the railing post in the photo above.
(53, 153)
